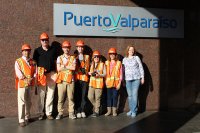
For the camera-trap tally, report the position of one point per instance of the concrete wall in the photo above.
(23, 21)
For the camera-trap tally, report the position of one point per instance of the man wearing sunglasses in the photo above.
(45, 56)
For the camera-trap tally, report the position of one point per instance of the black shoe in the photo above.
(95, 114)
(22, 124)
(50, 117)
(27, 121)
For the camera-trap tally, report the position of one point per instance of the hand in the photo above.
(89, 73)
(62, 67)
(83, 70)
(118, 86)
(97, 75)
(142, 81)
(28, 81)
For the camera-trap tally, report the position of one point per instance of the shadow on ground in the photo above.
(160, 122)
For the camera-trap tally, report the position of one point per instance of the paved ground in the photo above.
(148, 122)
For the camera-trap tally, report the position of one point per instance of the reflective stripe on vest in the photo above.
(84, 64)
(94, 81)
(67, 74)
(27, 71)
(41, 78)
(113, 79)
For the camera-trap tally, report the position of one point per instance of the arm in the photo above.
(104, 71)
(18, 72)
(58, 65)
(140, 69)
(121, 77)
(73, 66)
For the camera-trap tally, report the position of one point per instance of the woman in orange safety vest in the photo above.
(96, 84)
(81, 79)
(113, 81)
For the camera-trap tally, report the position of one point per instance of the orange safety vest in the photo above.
(97, 82)
(67, 74)
(85, 63)
(41, 78)
(27, 71)
(112, 80)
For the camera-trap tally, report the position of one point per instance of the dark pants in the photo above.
(112, 97)
(80, 94)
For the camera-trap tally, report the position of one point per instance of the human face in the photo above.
(96, 58)
(131, 51)
(66, 50)
(26, 53)
(80, 49)
(112, 56)
(45, 42)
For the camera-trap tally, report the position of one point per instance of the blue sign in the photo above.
(93, 20)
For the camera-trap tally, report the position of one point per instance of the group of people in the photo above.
(78, 77)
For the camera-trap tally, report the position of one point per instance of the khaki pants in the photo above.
(47, 90)
(94, 95)
(63, 90)
(24, 103)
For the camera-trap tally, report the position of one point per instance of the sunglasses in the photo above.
(96, 56)
(27, 50)
(45, 40)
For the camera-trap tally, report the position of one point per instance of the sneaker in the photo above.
(129, 113)
(133, 115)
(72, 116)
(27, 121)
(50, 117)
(22, 124)
(58, 117)
(95, 114)
(78, 115)
(41, 117)
(83, 114)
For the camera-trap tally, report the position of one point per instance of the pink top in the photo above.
(112, 65)
(18, 72)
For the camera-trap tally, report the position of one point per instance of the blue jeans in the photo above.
(132, 87)
(112, 97)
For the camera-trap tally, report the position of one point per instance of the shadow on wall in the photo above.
(58, 47)
(145, 88)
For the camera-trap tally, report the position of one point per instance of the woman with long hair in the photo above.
(113, 81)
(134, 76)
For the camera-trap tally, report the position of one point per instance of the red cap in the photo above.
(66, 44)
(26, 47)
(80, 43)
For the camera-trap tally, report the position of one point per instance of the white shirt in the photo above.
(18, 71)
(133, 68)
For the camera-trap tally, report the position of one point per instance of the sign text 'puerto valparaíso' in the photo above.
(94, 20)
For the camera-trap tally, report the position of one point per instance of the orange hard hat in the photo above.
(96, 53)
(44, 36)
(80, 43)
(112, 51)
(66, 44)
(26, 47)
